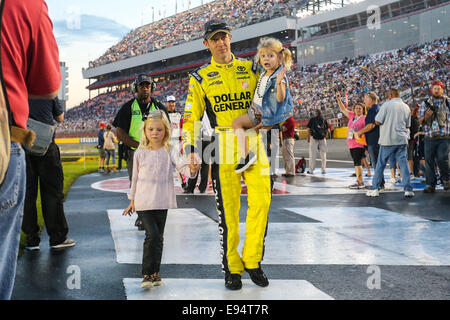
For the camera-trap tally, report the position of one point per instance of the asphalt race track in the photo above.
(324, 242)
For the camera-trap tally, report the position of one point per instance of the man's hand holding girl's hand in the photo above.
(194, 162)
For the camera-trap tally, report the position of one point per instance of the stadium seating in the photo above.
(410, 68)
(188, 25)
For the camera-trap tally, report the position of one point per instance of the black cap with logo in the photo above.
(215, 26)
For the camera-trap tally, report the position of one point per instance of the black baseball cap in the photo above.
(143, 78)
(215, 26)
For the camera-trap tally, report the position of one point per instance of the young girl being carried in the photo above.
(152, 189)
(272, 101)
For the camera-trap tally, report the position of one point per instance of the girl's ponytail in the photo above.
(287, 58)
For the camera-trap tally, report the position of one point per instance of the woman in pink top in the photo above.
(356, 122)
(152, 189)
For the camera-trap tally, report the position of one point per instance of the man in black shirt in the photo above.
(316, 137)
(45, 170)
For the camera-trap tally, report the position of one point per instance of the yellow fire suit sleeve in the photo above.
(193, 113)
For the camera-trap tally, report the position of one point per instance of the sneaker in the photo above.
(373, 193)
(429, 189)
(188, 191)
(409, 194)
(32, 248)
(357, 185)
(310, 172)
(156, 279)
(393, 180)
(245, 164)
(146, 282)
(65, 244)
(233, 281)
(446, 185)
(324, 172)
(258, 277)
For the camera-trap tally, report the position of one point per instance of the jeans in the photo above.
(12, 196)
(46, 172)
(400, 154)
(436, 150)
(154, 222)
(374, 150)
(110, 154)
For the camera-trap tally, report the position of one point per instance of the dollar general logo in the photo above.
(232, 101)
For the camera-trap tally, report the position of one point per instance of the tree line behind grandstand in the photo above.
(312, 87)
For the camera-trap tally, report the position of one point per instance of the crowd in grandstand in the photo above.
(90, 113)
(188, 25)
(311, 86)
(411, 67)
(103, 108)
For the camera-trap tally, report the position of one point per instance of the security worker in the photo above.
(224, 90)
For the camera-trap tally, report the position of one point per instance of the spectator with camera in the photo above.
(45, 173)
(434, 116)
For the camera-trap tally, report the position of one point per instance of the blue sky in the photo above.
(85, 29)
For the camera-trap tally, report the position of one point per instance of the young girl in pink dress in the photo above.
(152, 189)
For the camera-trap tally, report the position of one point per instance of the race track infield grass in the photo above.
(72, 170)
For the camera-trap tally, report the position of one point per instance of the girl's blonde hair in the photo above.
(157, 115)
(276, 46)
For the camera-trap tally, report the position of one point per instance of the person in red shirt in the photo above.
(287, 144)
(29, 69)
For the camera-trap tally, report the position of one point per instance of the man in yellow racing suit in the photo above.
(224, 90)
